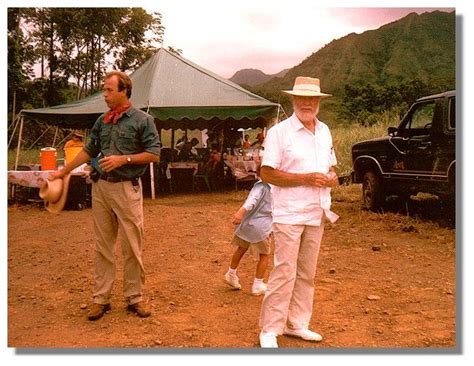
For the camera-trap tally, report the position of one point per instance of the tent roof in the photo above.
(177, 92)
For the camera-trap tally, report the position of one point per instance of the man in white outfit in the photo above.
(298, 162)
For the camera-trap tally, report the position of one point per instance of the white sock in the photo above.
(232, 271)
(257, 281)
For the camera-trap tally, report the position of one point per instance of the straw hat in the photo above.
(78, 133)
(54, 193)
(307, 87)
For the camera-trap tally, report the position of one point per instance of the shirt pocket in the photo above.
(104, 140)
(128, 141)
(297, 158)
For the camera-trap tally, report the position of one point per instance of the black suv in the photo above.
(417, 156)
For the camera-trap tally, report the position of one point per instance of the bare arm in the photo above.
(81, 158)
(285, 179)
(112, 162)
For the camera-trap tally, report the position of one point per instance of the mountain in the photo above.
(252, 77)
(414, 47)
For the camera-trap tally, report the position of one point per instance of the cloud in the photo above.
(267, 35)
(261, 22)
(371, 18)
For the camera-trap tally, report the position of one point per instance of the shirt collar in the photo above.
(297, 125)
(129, 110)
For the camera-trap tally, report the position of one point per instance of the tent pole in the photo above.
(152, 172)
(152, 181)
(286, 116)
(19, 144)
(14, 106)
(17, 154)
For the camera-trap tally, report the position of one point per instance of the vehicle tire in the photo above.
(373, 195)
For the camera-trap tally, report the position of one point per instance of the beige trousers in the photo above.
(289, 297)
(117, 209)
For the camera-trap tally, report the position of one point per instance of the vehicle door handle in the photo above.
(424, 145)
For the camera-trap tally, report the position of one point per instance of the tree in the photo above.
(20, 56)
(363, 103)
(72, 49)
(80, 45)
(133, 48)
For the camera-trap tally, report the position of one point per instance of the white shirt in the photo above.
(292, 148)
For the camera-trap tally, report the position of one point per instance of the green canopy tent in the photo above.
(178, 93)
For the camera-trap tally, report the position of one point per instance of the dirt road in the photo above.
(383, 281)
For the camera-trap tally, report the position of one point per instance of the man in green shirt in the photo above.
(122, 142)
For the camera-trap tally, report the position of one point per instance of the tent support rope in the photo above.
(55, 135)
(33, 144)
(18, 118)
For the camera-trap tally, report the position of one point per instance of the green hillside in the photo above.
(419, 47)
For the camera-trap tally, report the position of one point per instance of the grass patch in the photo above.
(27, 157)
(347, 193)
(344, 136)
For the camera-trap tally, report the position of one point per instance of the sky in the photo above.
(265, 35)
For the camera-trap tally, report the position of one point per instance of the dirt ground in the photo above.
(383, 280)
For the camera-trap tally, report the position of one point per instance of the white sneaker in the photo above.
(304, 333)
(268, 340)
(232, 280)
(259, 289)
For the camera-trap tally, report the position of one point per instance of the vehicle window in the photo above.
(422, 116)
(452, 113)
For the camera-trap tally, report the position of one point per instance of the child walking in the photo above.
(253, 230)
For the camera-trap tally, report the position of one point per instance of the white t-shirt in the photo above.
(292, 148)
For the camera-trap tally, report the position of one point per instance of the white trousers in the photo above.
(289, 297)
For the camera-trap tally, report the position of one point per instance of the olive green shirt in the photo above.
(134, 133)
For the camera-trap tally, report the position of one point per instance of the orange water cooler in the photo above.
(48, 157)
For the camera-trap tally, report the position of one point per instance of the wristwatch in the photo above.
(129, 160)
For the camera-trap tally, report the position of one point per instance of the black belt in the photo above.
(110, 179)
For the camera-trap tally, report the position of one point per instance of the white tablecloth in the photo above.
(241, 168)
(181, 165)
(29, 178)
(35, 178)
(247, 165)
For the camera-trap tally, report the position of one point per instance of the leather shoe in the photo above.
(97, 311)
(139, 309)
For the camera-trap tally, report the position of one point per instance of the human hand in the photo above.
(236, 219)
(57, 174)
(333, 179)
(317, 179)
(112, 162)
(238, 216)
